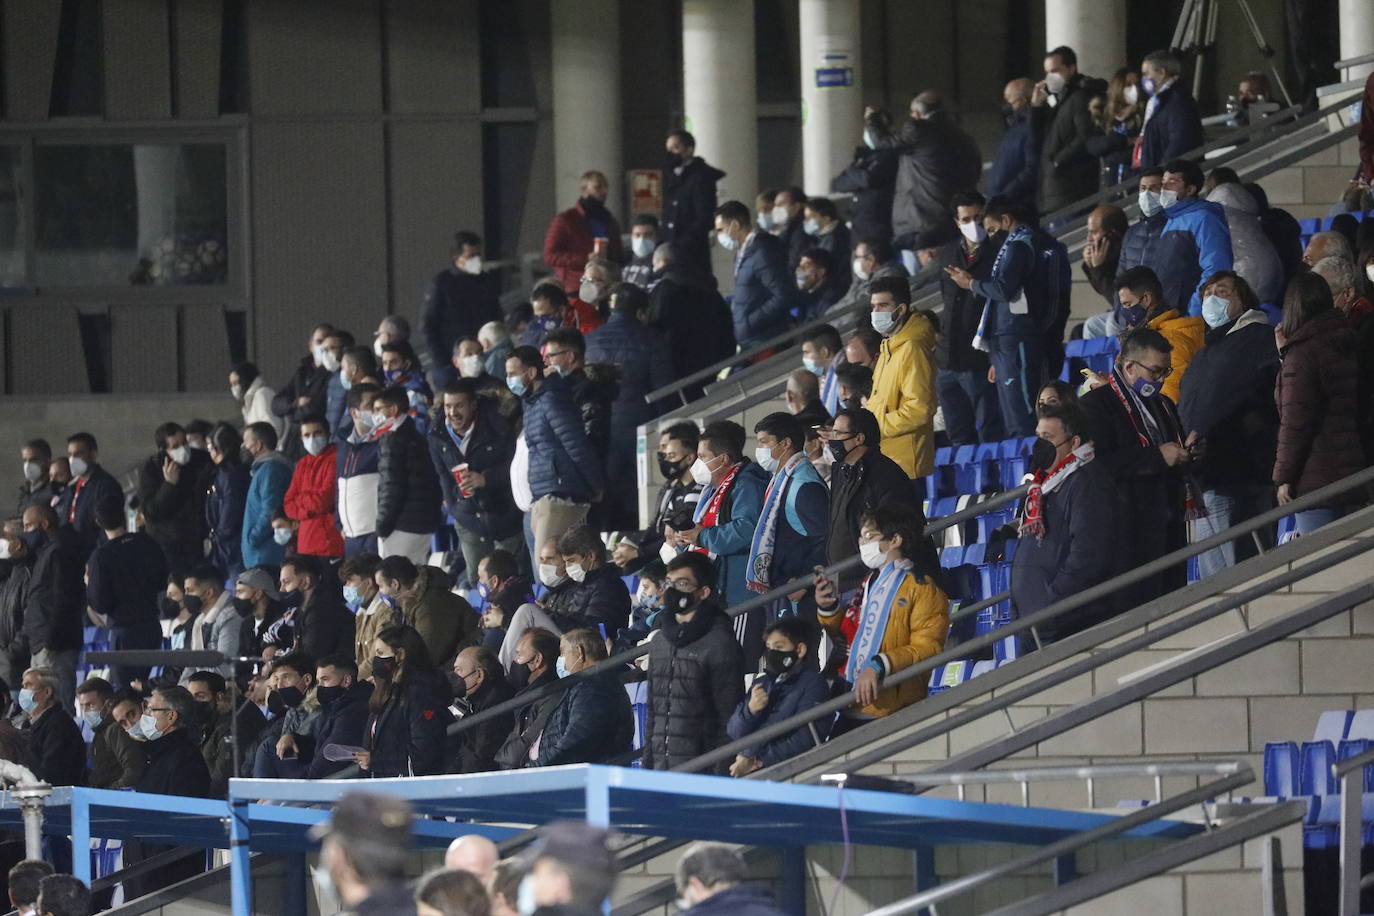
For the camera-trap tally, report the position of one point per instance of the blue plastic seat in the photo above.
(1281, 769)
(1353, 748)
(1361, 725)
(1314, 772)
(1310, 226)
(1334, 726)
(967, 476)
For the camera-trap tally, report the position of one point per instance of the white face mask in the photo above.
(314, 444)
(666, 553)
(764, 456)
(1369, 271)
(1131, 94)
(811, 227)
(148, 725)
(860, 270)
(181, 455)
(873, 555)
(5, 550)
(1149, 203)
(377, 347)
(330, 361)
(883, 322)
(472, 265)
(1167, 198)
(642, 246)
(79, 466)
(548, 574)
(576, 572)
(319, 352)
(870, 139)
(588, 291)
(236, 392)
(1054, 82)
(33, 471)
(701, 473)
(973, 231)
(780, 216)
(470, 366)
(726, 241)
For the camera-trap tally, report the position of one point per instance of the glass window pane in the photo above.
(11, 217)
(145, 214)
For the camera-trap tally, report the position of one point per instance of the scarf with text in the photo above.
(1045, 481)
(759, 572)
(1154, 428)
(879, 595)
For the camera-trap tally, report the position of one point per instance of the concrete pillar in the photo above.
(1095, 29)
(719, 91)
(1357, 34)
(586, 96)
(832, 97)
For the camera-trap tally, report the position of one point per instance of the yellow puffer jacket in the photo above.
(903, 396)
(1186, 334)
(916, 630)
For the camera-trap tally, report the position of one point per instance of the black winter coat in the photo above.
(224, 506)
(174, 514)
(594, 387)
(696, 678)
(456, 305)
(1081, 517)
(1226, 398)
(739, 900)
(408, 493)
(872, 179)
(55, 606)
(343, 721)
(479, 745)
(323, 626)
(308, 381)
(938, 159)
(689, 206)
(407, 735)
(592, 723)
(800, 690)
(490, 512)
(100, 489)
(599, 599)
(1068, 172)
(56, 747)
(529, 721)
(696, 323)
(176, 767)
(873, 480)
(954, 348)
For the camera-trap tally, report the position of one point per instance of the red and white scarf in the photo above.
(1154, 429)
(707, 512)
(1045, 481)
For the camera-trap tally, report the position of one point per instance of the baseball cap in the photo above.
(259, 578)
(383, 820)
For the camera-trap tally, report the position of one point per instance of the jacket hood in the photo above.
(918, 329)
(1190, 205)
(702, 167)
(1247, 318)
(1234, 196)
(431, 578)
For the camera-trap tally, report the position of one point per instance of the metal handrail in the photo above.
(1068, 773)
(1071, 844)
(1354, 61)
(1350, 772)
(1102, 590)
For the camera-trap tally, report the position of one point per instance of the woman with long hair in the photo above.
(226, 496)
(408, 714)
(1316, 393)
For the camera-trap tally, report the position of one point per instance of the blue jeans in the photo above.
(969, 402)
(1309, 521)
(1227, 506)
(1017, 361)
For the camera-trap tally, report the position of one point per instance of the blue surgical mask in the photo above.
(27, 701)
(389, 601)
(811, 227)
(1149, 203)
(516, 383)
(391, 375)
(352, 597)
(1147, 85)
(282, 536)
(726, 241)
(561, 668)
(1146, 387)
(92, 717)
(1215, 311)
(148, 725)
(483, 591)
(883, 322)
(812, 366)
(1133, 316)
(764, 456)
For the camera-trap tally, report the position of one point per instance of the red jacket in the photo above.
(569, 242)
(310, 501)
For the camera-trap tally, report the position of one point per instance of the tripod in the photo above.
(1196, 33)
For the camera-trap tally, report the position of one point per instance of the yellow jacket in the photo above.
(903, 396)
(916, 630)
(1186, 334)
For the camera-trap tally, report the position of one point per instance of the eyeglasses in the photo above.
(683, 585)
(158, 709)
(1158, 373)
(550, 354)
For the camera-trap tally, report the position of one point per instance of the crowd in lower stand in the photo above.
(411, 532)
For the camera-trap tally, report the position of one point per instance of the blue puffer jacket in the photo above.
(764, 291)
(490, 512)
(271, 477)
(336, 408)
(224, 512)
(645, 365)
(730, 539)
(789, 694)
(1139, 245)
(1195, 243)
(562, 462)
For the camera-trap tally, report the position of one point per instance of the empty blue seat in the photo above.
(1310, 226)
(1015, 458)
(1361, 725)
(967, 478)
(1353, 748)
(991, 521)
(1281, 769)
(1334, 726)
(1314, 773)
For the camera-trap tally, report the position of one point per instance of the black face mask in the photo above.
(1006, 108)
(205, 710)
(1043, 454)
(168, 608)
(777, 661)
(291, 697)
(291, 598)
(243, 607)
(679, 602)
(193, 604)
(674, 159)
(838, 448)
(245, 456)
(459, 685)
(384, 668)
(328, 695)
(671, 470)
(275, 704)
(519, 675)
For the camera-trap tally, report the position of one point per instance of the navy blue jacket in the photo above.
(593, 723)
(803, 531)
(408, 491)
(1033, 264)
(562, 462)
(599, 599)
(100, 489)
(125, 579)
(764, 290)
(1015, 169)
(788, 695)
(343, 721)
(225, 503)
(739, 900)
(1174, 128)
(490, 512)
(411, 729)
(1139, 246)
(340, 424)
(1081, 515)
(456, 305)
(872, 179)
(645, 365)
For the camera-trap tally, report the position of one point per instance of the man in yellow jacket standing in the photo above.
(903, 398)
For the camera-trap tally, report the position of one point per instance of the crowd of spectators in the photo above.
(398, 538)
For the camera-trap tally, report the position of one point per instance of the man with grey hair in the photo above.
(1327, 244)
(1339, 274)
(391, 329)
(710, 882)
(937, 159)
(55, 743)
(1173, 126)
(1015, 169)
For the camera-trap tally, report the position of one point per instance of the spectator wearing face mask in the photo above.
(469, 362)
(1172, 123)
(789, 684)
(598, 599)
(554, 309)
(764, 291)
(271, 475)
(90, 486)
(55, 603)
(294, 709)
(689, 196)
(226, 498)
(1067, 171)
(825, 230)
(115, 760)
(171, 496)
(215, 627)
(559, 587)
(903, 399)
(479, 683)
(357, 459)
(56, 748)
(1139, 247)
(372, 610)
(336, 343)
(592, 722)
(643, 241)
(408, 492)
(695, 669)
(343, 699)
(692, 316)
(1070, 513)
(785, 220)
(1143, 305)
(460, 299)
(1015, 170)
(533, 667)
(401, 369)
(818, 291)
(254, 396)
(124, 579)
(310, 498)
(495, 338)
(1195, 241)
(872, 178)
(855, 383)
(37, 488)
(259, 606)
(305, 394)
(409, 716)
(317, 621)
(677, 498)
(425, 601)
(575, 234)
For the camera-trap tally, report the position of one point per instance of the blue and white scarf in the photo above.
(980, 337)
(880, 594)
(759, 574)
(830, 389)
